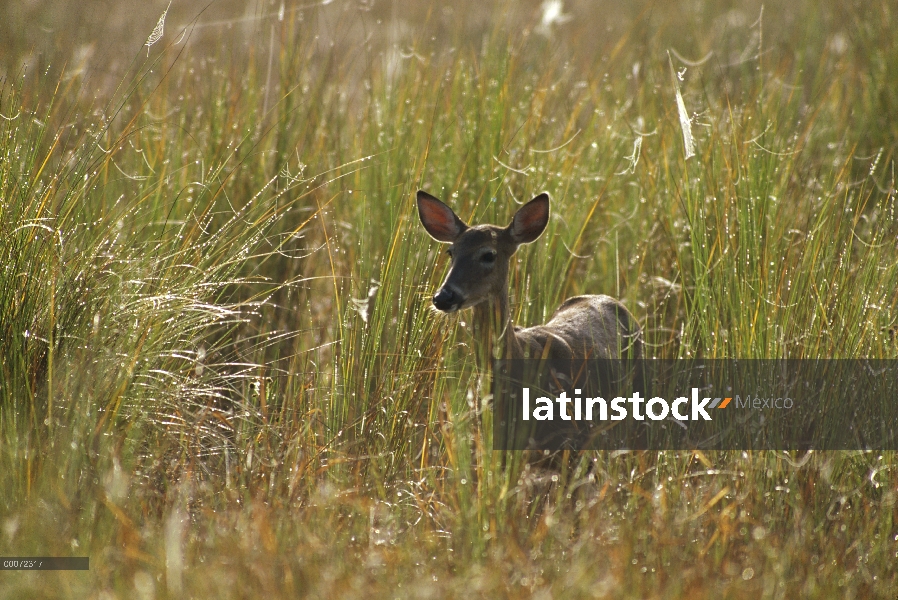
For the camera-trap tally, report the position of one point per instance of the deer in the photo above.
(582, 329)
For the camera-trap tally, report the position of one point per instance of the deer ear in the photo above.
(530, 220)
(441, 223)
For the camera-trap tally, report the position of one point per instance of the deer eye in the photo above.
(488, 257)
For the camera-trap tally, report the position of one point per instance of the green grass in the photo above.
(220, 375)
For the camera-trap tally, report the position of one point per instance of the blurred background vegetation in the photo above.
(219, 371)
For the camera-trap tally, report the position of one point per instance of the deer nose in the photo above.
(447, 300)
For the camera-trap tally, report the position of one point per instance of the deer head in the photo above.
(479, 254)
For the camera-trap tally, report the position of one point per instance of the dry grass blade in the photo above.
(685, 121)
(158, 30)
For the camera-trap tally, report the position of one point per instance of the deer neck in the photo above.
(494, 330)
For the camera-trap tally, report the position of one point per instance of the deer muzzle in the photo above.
(447, 300)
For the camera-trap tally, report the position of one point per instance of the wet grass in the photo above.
(219, 371)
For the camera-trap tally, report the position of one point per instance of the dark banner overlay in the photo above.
(695, 404)
(44, 563)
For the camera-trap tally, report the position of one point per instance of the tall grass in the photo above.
(219, 370)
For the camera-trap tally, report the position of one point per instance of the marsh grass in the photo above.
(219, 371)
